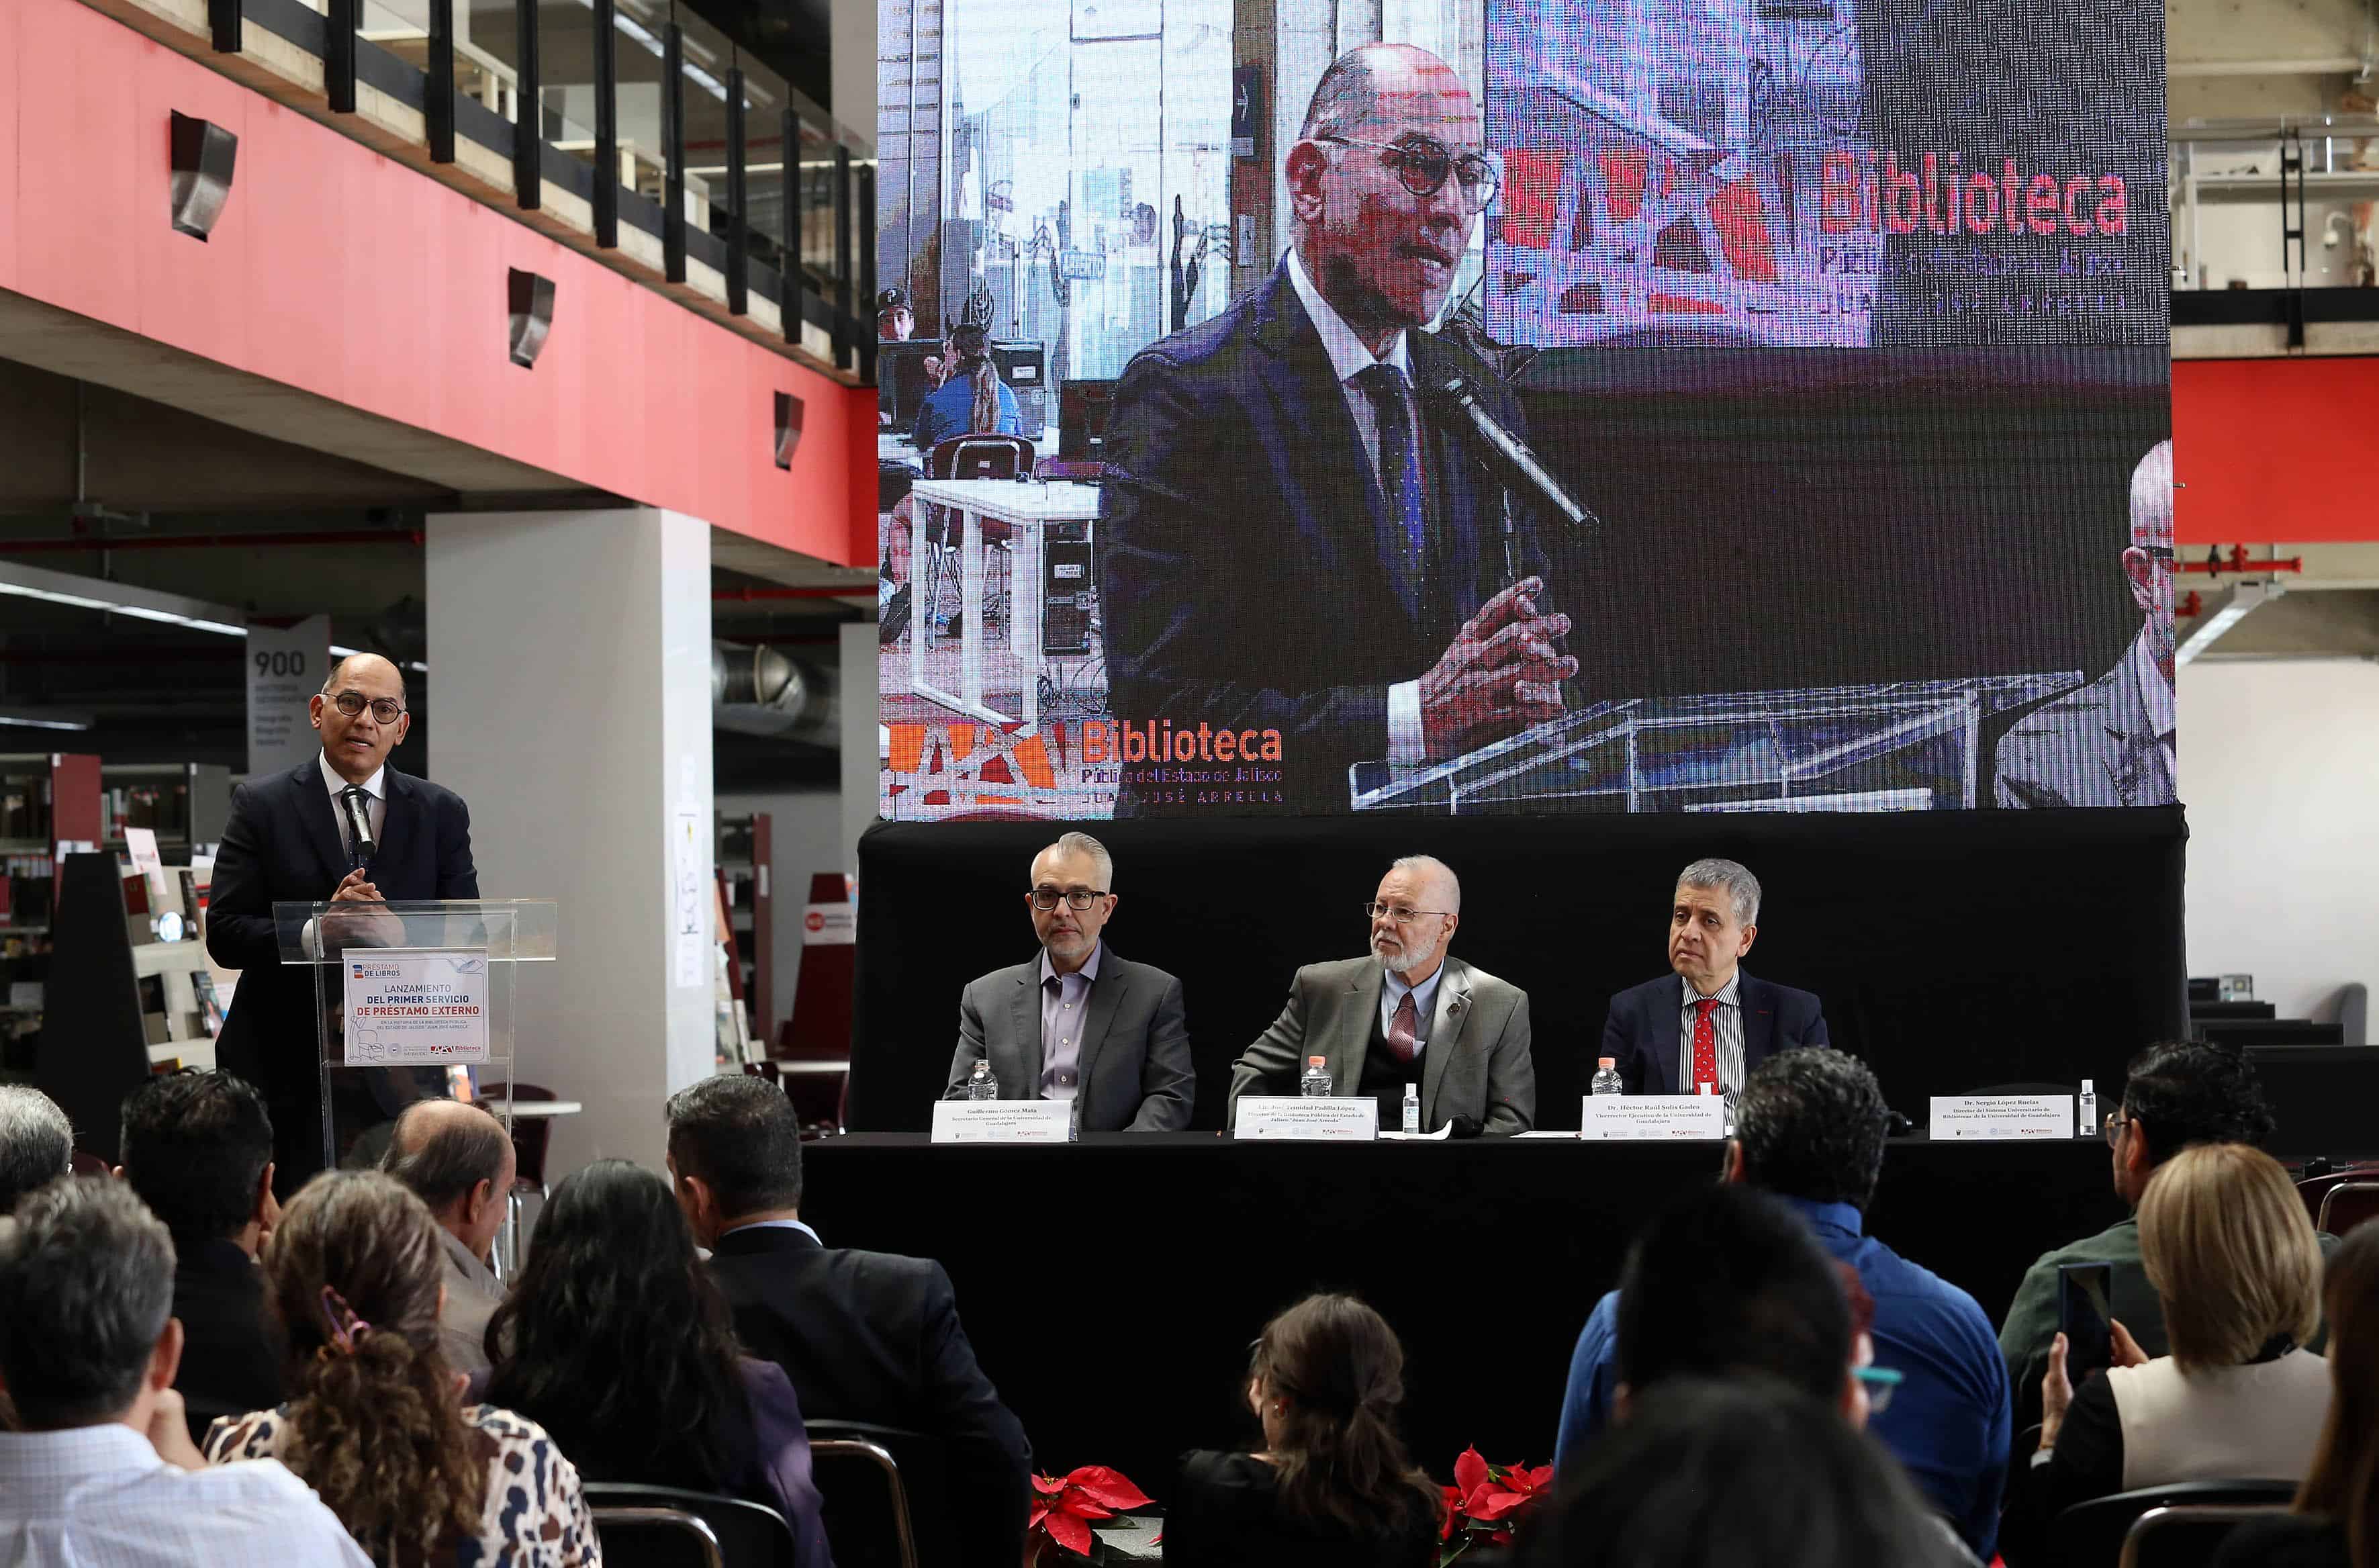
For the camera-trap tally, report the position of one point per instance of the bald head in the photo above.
(367, 672)
(1379, 83)
(2152, 499)
(457, 1159)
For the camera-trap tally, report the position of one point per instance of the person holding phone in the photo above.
(2226, 1244)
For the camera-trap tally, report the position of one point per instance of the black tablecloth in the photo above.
(1111, 1288)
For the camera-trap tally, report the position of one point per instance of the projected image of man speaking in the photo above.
(1291, 540)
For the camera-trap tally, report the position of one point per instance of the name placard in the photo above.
(1003, 1121)
(1291, 1116)
(1636, 1117)
(2002, 1118)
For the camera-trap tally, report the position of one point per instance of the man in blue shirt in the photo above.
(1810, 1129)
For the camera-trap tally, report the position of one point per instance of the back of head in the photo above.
(1338, 1370)
(2184, 1092)
(972, 346)
(195, 1146)
(1727, 1280)
(85, 1285)
(2225, 1240)
(2344, 1480)
(443, 1149)
(615, 1340)
(36, 1142)
(374, 1423)
(1811, 1124)
(1717, 1474)
(741, 1137)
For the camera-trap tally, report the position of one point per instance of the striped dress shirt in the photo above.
(1726, 1024)
(100, 1497)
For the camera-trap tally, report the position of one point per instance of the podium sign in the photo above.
(405, 992)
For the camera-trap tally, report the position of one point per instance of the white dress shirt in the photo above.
(99, 1497)
(2157, 696)
(1424, 997)
(377, 806)
(1726, 1030)
(1348, 359)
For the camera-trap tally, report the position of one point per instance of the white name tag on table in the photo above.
(1003, 1121)
(2002, 1118)
(1334, 1120)
(1619, 1117)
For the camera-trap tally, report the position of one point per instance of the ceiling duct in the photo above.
(758, 691)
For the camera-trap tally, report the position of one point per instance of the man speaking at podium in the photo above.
(293, 838)
(1708, 1023)
(1289, 540)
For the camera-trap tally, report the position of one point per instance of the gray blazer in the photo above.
(1476, 1066)
(2091, 747)
(1135, 1056)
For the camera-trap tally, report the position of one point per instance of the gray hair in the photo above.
(453, 1160)
(1083, 844)
(1742, 888)
(85, 1285)
(36, 1142)
(1429, 865)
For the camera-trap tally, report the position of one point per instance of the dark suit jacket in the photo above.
(230, 1351)
(1646, 1027)
(1476, 1067)
(281, 844)
(2094, 747)
(870, 1336)
(1135, 1072)
(1244, 547)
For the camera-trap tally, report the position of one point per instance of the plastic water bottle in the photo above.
(982, 1086)
(2085, 1111)
(1606, 1077)
(1315, 1084)
(1412, 1108)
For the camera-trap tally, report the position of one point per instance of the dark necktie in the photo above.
(1705, 1045)
(1400, 479)
(354, 795)
(1404, 1043)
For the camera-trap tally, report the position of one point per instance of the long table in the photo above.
(1111, 1288)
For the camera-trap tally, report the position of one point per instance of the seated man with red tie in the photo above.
(1706, 1025)
(1406, 1014)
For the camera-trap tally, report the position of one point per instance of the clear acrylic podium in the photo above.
(434, 979)
(1907, 745)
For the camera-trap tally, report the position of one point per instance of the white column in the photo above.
(570, 699)
(863, 784)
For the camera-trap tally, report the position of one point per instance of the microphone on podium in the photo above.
(359, 831)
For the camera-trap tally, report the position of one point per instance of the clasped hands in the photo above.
(361, 928)
(1500, 674)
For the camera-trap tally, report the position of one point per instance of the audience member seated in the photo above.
(197, 1148)
(1333, 1483)
(2175, 1095)
(618, 1342)
(36, 1142)
(974, 400)
(2228, 1248)
(100, 1468)
(2336, 1521)
(864, 1336)
(1810, 1129)
(458, 1160)
(1724, 1475)
(375, 1421)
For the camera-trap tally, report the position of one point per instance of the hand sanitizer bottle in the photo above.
(1412, 1109)
(2085, 1111)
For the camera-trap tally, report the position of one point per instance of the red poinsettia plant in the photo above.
(1485, 1504)
(1064, 1507)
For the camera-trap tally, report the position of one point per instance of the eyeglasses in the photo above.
(2115, 1120)
(1397, 913)
(1882, 1382)
(1423, 163)
(1077, 898)
(385, 709)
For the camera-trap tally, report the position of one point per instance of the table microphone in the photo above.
(359, 831)
(1456, 401)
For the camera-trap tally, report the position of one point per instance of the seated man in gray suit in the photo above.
(1409, 1013)
(2110, 744)
(1078, 1022)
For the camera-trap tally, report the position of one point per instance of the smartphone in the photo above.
(2083, 1316)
